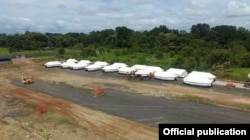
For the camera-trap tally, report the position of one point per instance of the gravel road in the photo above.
(143, 109)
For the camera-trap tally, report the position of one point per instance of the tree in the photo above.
(219, 56)
(200, 30)
(245, 60)
(61, 51)
(124, 36)
(224, 34)
(157, 30)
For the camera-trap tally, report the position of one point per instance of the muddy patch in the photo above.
(13, 107)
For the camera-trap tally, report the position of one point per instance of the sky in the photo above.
(63, 16)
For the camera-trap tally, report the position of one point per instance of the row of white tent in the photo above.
(194, 78)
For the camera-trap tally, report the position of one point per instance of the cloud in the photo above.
(238, 9)
(88, 15)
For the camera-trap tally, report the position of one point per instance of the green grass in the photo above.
(4, 51)
(195, 99)
(239, 74)
(55, 117)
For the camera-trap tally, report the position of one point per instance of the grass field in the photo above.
(4, 51)
(239, 74)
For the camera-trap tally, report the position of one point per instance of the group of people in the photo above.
(132, 74)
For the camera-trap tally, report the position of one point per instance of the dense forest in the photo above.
(204, 47)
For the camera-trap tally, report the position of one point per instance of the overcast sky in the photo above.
(62, 16)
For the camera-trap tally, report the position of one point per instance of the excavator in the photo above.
(247, 82)
(27, 81)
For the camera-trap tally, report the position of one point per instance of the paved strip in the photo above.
(143, 109)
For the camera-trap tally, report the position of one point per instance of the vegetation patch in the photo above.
(55, 117)
(222, 49)
(195, 99)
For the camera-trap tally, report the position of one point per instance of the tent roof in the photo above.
(85, 61)
(71, 60)
(119, 64)
(139, 66)
(164, 74)
(200, 74)
(176, 71)
(103, 63)
(94, 66)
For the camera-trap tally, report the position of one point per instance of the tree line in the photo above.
(204, 47)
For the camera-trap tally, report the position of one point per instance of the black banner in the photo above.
(204, 131)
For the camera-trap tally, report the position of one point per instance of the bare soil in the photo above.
(19, 120)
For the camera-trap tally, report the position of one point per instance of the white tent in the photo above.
(143, 72)
(93, 67)
(84, 61)
(52, 64)
(178, 72)
(163, 75)
(102, 63)
(68, 64)
(199, 78)
(154, 68)
(98, 65)
(125, 70)
(139, 67)
(114, 67)
(80, 65)
(249, 76)
(119, 64)
(71, 60)
(146, 71)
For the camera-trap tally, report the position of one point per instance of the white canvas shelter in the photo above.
(102, 63)
(145, 72)
(249, 76)
(178, 72)
(52, 64)
(67, 64)
(163, 75)
(125, 70)
(114, 67)
(98, 65)
(93, 67)
(78, 66)
(139, 67)
(199, 78)
(119, 64)
(154, 68)
(71, 60)
(84, 61)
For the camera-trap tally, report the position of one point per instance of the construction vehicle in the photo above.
(230, 84)
(247, 82)
(26, 81)
(97, 91)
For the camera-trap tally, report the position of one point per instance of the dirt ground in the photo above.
(65, 120)
(19, 119)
